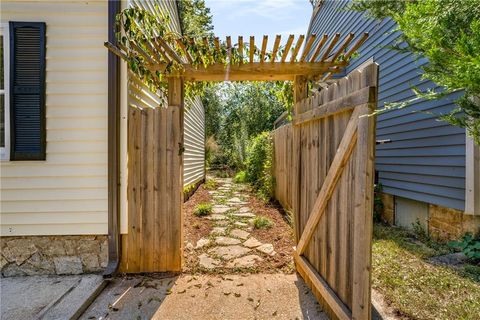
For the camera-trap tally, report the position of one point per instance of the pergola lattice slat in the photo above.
(159, 53)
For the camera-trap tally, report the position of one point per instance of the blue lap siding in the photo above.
(426, 159)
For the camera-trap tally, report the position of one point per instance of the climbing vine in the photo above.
(140, 35)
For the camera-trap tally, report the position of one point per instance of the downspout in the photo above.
(114, 8)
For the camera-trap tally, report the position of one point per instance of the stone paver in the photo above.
(216, 216)
(244, 215)
(252, 243)
(244, 262)
(207, 262)
(241, 224)
(267, 248)
(226, 241)
(230, 211)
(229, 252)
(202, 243)
(218, 231)
(238, 233)
(219, 209)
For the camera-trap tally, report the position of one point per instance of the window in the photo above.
(27, 90)
(4, 93)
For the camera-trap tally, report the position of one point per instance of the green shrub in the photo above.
(259, 165)
(189, 188)
(377, 204)
(240, 177)
(203, 209)
(469, 245)
(210, 184)
(262, 223)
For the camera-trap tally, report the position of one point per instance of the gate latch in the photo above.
(181, 149)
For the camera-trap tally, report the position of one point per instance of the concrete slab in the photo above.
(47, 297)
(258, 296)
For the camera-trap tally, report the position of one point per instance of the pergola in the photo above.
(329, 56)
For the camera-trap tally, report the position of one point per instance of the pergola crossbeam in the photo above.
(159, 54)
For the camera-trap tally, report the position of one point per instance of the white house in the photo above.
(64, 103)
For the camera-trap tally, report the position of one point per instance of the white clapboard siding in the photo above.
(67, 193)
(194, 141)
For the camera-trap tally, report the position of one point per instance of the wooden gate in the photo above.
(154, 192)
(333, 176)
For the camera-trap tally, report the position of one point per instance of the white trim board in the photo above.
(472, 177)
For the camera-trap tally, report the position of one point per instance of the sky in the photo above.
(260, 17)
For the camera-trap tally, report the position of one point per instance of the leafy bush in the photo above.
(469, 245)
(210, 184)
(262, 223)
(377, 204)
(240, 177)
(212, 150)
(259, 165)
(189, 188)
(203, 209)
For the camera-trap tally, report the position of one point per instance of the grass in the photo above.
(203, 209)
(262, 223)
(416, 288)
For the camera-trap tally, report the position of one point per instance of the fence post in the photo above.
(300, 92)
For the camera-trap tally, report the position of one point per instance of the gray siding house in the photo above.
(424, 167)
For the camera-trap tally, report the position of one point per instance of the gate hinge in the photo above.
(181, 149)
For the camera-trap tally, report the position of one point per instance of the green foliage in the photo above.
(377, 204)
(203, 209)
(261, 222)
(237, 112)
(189, 188)
(419, 231)
(469, 245)
(195, 18)
(240, 177)
(210, 184)
(258, 166)
(447, 32)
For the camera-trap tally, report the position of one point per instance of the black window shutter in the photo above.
(27, 91)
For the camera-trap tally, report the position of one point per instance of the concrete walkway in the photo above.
(47, 297)
(206, 297)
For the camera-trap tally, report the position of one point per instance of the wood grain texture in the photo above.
(155, 197)
(331, 179)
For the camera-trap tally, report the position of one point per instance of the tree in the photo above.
(195, 18)
(236, 112)
(447, 32)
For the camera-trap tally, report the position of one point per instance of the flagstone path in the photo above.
(230, 243)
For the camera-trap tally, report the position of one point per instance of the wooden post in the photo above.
(175, 171)
(300, 92)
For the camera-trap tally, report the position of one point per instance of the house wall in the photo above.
(426, 159)
(67, 193)
(194, 141)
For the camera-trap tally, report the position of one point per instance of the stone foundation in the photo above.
(388, 212)
(42, 255)
(447, 224)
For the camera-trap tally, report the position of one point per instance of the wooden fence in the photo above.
(154, 192)
(283, 144)
(331, 190)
